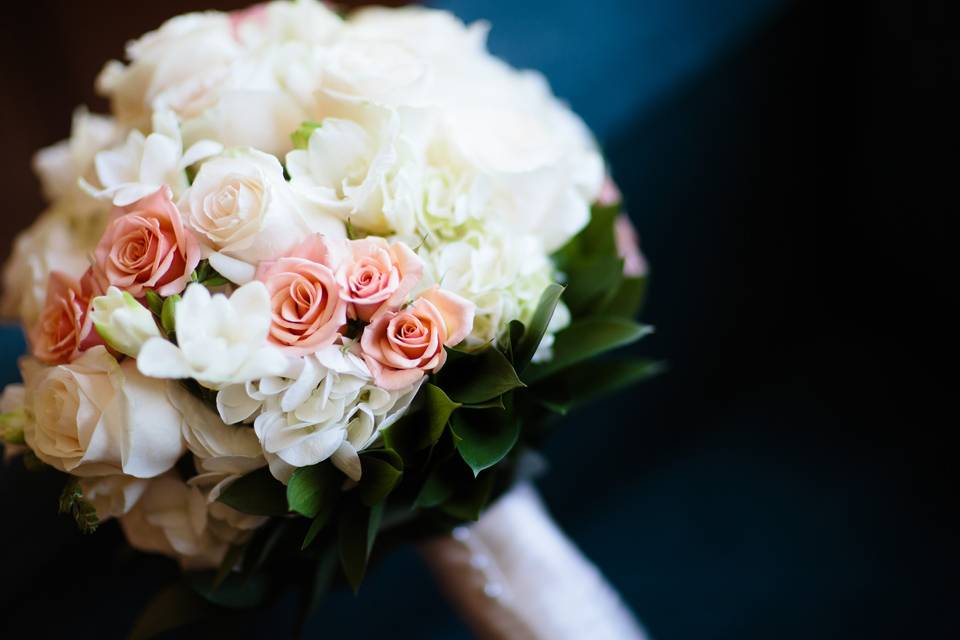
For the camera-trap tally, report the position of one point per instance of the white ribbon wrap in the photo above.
(514, 575)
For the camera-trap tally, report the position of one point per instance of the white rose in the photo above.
(60, 166)
(122, 322)
(146, 163)
(268, 24)
(360, 169)
(95, 417)
(113, 496)
(220, 340)
(434, 34)
(56, 241)
(222, 453)
(241, 206)
(177, 66)
(177, 520)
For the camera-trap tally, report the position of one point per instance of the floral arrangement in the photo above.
(319, 282)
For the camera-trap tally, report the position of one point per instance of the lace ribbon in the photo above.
(514, 575)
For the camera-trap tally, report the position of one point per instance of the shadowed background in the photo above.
(782, 163)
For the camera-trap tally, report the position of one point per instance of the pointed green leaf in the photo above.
(533, 333)
(480, 376)
(439, 409)
(358, 528)
(485, 436)
(585, 339)
(469, 500)
(319, 524)
(627, 300)
(381, 472)
(579, 385)
(435, 490)
(257, 493)
(310, 488)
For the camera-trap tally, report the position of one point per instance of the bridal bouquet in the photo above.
(317, 284)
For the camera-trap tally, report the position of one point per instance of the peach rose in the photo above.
(399, 347)
(628, 247)
(304, 296)
(377, 274)
(146, 246)
(65, 328)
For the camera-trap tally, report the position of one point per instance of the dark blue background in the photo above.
(782, 480)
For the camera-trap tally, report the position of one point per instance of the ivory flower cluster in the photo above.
(258, 258)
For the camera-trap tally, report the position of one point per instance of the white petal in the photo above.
(234, 270)
(346, 459)
(160, 358)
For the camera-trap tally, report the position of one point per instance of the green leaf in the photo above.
(257, 493)
(318, 525)
(301, 137)
(154, 302)
(627, 299)
(437, 488)
(590, 281)
(382, 470)
(173, 607)
(585, 339)
(439, 408)
(534, 331)
(356, 535)
(485, 436)
(168, 314)
(578, 385)
(480, 376)
(310, 488)
(469, 500)
(256, 556)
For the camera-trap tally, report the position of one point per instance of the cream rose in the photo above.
(178, 66)
(241, 206)
(176, 520)
(113, 496)
(95, 417)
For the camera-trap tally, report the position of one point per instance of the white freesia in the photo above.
(96, 417)
(122, 322)
(222, 453)
(113, 496)
(57, 241)
(220, 340)
(144, 164)
(241, 207)
(62, 165)
(176, 67)
(177, 520)
(329, 408)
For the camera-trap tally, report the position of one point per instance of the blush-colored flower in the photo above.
(377, 275)
(65, 328)
(305, 301)
(146, 246)
(399, 347)
(628, 247)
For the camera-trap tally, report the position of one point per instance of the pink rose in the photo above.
(399, 347)
(146, 246)
(64, 328)
(307, 308)
(376, 274)
(609, 193)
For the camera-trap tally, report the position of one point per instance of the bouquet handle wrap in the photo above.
(514, 575)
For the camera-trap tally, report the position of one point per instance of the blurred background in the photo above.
(787, 165)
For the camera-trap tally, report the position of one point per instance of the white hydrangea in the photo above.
(329, 409)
